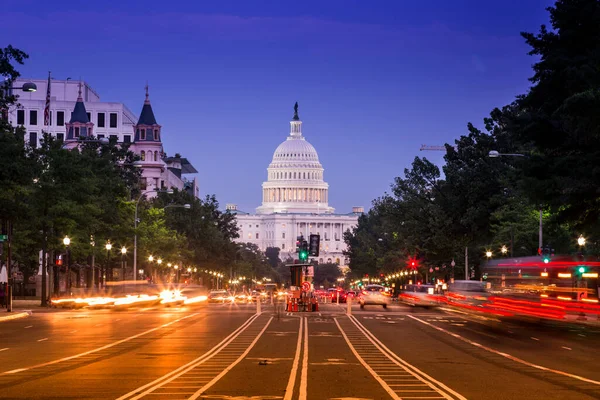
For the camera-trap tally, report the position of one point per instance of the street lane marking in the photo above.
(534, 338)
(289, 391)
(73, 331)
(411, 369)
(510, 357)
(383, 384)
(41, 340)
(304, 374)
(148, 388)
(233, 364)
(14, 371)
(566, 348)
(99, 348)
(30, 326)
(6, 348)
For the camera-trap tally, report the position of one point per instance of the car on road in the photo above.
(374, 295)
(419, 296)
(218, 296)
(333, 295)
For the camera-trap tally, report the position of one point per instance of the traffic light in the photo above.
(581, 269)
(303, 250)
(314, 244)
(299, 240)
(547, 254)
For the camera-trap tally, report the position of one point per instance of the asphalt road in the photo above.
(225, 351)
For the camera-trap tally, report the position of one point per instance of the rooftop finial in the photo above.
(147, 101)
(296, 118)
(79, 97)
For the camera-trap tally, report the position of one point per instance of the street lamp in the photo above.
(28, 87)
(488, 254)
(123, 253)
(504, 250)
(135, 222)
(108, 247)
(150, 258)
(67, 243)
(581, 241)
(186, 206)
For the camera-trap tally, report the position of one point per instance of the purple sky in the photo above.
(374, 79)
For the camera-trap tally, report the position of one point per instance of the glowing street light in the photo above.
(150, 258)
(159, 261)
(123, 250)
(504, 250)
(488, 254)
(66, 241)
(108, 246)
(581, 241)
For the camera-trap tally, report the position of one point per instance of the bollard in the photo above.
(9, 298)
(349, 305)
(258, 310)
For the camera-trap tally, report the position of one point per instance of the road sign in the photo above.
(3, 238)
(310, 271)
(306, 286)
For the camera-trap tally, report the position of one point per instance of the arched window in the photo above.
(143, 155)
(304, 175)
(156, 156)
(337, 261)
(294, 175)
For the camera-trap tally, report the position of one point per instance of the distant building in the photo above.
(296, 202)
(76, 112)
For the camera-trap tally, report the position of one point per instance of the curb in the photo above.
(18, 315)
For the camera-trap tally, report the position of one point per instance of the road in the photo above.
(229, 351)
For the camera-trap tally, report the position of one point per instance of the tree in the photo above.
(272, 254)
(326, 275)
(559, 121)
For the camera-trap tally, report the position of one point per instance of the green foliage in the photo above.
(326, 275)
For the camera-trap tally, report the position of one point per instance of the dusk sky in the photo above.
(374, 79)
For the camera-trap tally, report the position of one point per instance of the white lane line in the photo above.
(580, 334)
(414, 371)
(6, 348)
(99, 348)
(534, 338)
(149, 387)
(230, 367)
(566, 348)
(383, 384)
(289, 391)
(30, 326)
(510, 357)
(14, 371)
(73, 331)
(304, 374)
(41, 340)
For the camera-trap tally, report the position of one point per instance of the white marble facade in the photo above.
(296, 202)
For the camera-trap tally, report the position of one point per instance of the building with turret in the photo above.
(76, 112)
(295, 202)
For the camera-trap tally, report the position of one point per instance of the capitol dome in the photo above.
(295, 177)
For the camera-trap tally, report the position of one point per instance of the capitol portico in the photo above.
(295, 201)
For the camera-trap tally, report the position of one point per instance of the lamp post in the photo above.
(108, 247)
(581, 241)
(93, 244)
(67, 243)
(123, 253)
(135, 222)
(28, 87)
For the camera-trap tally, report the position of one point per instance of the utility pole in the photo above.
(466, 263)
(540, 240)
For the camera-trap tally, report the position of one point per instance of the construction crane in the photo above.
(432, 148)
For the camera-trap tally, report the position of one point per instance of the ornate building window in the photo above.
(142, 134)
(143, 155)
(156, 156)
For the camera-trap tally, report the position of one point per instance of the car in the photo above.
(374, 295)
(333, 295)
(350, 294)
(218, 296)
(419, 295)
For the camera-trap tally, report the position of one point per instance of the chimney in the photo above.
(231, 207)
(358, 210)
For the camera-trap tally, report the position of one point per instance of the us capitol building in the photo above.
(296, 202)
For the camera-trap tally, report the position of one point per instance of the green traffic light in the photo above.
(546, 260)
(581, 270)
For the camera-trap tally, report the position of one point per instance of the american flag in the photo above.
(47, 108)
